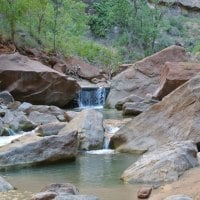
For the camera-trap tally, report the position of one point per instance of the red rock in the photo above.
(144, 192)
(175, 74)
(143, 77)
(31, 81)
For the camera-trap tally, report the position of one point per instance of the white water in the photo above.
(107, 137)
(8, 139)
(92, 97)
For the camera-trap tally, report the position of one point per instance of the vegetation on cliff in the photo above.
(109, 32)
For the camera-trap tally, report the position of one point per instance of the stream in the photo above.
(94, 172)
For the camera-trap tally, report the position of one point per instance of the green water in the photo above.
(91, 173)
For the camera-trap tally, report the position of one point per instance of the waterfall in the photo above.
(92, 97)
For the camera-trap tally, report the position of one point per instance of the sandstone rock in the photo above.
(144, 192)
(175, 74)
(76, 197)
(69, 115)
(82, 69)
(143, 76)
(42, 118)
(44, 196)
(4, 185)
(61, 188)
(166, 164)
(89, 124)
(18, 121)
(50, 129)
(6, 97)
(178, 197)
(131, 98)
(33, 150)
(136, 108)
(31, 81)
(61, 191)
(175, 118)
(190, 5)
(43, 109)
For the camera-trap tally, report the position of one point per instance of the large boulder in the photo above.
(165, 164)
(175, 74)
(175, 118)
(31, 81)
(34, 150)
(143, 77)
(4, 185)
(89, 124)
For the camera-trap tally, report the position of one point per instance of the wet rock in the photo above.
(61, 191)
(144, 192)
(5, 131)
(4, 185)
(144, 76)
(32, 150)
(61, 188)
(6, 97)
(50, 129)
(18, 121)
(173, 75)
(44, 196)
(44, 85)
(89, 124)
(175, 118)
(165, 164)
(178, 197)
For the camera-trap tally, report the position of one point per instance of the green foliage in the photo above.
(138, 23)
(196, 48)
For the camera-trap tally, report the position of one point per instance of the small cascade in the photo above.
(107, 138)
(92, 97)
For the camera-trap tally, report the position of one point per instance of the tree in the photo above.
(12, 11)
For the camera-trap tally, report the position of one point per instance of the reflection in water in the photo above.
(91, 173)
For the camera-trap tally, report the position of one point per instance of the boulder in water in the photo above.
(175, 118)
(32, 150)
(165, 164)
(89, 124)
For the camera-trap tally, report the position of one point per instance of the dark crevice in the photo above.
(198, 146)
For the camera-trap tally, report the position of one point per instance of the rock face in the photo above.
(175, 118)
(165, 164)
(33, 150)
(5, 186)
(89, 124)
(191, 5)
(143, 77)
(175, 74)
(61, 191)
(31, 81)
